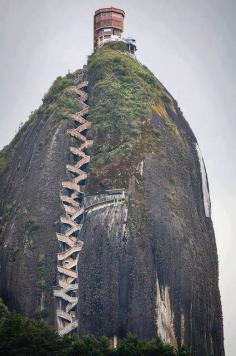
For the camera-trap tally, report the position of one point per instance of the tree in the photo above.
(20, 336)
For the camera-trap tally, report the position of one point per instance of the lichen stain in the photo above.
(205, 190)
(164, 315)
(182, 326)
(161, 111)
(140, 168)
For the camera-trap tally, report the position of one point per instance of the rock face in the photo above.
(34, 166)
(149, 261)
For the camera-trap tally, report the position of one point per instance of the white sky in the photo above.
(190, 45)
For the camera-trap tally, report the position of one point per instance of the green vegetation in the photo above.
(15, 210)
(8, 151)
(26, 337)
(10, 210)
(3, 162)
(42, 287)
(4, 313)
(56, 89)
(41, 267)
(31, 225)
(118, 46)
(123, 93)
(59, 99)
(21, 336)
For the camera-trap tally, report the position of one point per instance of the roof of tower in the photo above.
(109, 9)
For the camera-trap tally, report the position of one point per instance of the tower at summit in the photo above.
(109, 27)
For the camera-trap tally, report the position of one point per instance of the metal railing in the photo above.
(66, 292)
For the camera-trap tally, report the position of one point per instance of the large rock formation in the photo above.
(149, 261)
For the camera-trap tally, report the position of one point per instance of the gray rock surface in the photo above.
(149, 261)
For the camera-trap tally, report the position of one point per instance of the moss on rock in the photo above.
(122, 92)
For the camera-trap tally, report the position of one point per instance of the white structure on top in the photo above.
(109, 27)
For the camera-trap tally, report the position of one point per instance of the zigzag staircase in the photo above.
(70, 244)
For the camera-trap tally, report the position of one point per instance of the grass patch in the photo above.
(121, 97)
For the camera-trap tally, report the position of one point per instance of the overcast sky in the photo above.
(190, 45)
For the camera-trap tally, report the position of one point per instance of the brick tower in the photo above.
(108, 26)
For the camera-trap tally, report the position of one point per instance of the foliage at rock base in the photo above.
(22, 336)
